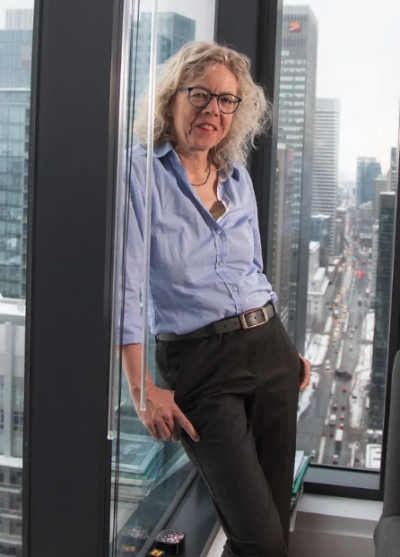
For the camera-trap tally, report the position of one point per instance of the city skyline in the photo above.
(358, 63)
(368, 91)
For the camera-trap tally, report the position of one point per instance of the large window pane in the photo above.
(16, 22)
(335, 216)
(147, 474)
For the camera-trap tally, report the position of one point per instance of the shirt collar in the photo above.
(223, 174)
(162, 149)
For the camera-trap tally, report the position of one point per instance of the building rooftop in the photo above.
(314, 246)
(12, 306)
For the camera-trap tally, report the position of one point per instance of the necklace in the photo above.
(208, 175)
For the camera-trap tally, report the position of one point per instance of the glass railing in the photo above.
(147, 474)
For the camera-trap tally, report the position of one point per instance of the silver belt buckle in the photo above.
(244, 322)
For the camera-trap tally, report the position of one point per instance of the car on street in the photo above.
(335, 459)
(351, 347)
(342, 417)
(313, 453)
(351, 335)
(343, 373)
(344, 389)
(333, 419)
(334, 406)
(343, 407)
(341, 426)
(331, 434)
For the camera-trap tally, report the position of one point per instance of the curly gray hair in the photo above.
(195, 59)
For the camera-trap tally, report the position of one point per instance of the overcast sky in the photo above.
(358, 63)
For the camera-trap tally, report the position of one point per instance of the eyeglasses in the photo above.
(200, 98)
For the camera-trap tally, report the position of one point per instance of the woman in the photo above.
(233, 372)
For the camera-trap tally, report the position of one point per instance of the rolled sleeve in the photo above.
(132, 261)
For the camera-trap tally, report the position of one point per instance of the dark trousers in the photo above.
(240, 391)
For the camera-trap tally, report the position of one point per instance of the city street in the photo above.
(333, 394)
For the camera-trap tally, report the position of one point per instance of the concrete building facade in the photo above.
(326, 162)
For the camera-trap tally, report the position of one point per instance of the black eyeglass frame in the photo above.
(237, 102)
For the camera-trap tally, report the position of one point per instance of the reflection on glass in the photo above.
(335, 202)
(147, 474)
(15, 79)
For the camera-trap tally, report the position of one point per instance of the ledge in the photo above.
(332, 526)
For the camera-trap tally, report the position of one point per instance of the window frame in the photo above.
(67, 457)
(89, 192)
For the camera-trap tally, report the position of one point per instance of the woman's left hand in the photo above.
(305, 373)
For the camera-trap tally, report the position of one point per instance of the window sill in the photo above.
(339, 482)
(332, 526)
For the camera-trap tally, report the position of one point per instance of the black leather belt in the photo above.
(246, 320)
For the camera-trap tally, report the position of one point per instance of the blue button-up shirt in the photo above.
(201, 270)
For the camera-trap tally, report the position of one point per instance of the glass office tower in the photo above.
(297, 128)
(15, 77)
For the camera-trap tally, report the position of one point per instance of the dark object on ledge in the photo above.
(171, 542)
(387, 531)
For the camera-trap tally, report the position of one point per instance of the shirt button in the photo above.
(221, 263)
(219, 231)
(234, 288)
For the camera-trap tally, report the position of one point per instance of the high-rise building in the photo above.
(317, 289)
(174, 30)
(367, 170)
(320, 228)
(326, 162)
(281, 258)
(19, 19)
(12, 352)
(15, 77)
(384, 274)
(296, 127)
(394, 169)
(340, 230)
(381, 185)
(374, 263)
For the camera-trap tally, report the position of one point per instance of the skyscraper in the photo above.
(320, 227)
(367, 170)
(15, 77)
(381, 185)
(12, 351)
(326, 162)
(340, 230)
(174, 30)
(296, 127)
(374, 265)
(281, 259)
(383, 293)
(19, 19)
(394, 169)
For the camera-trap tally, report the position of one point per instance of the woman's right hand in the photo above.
(162, 415)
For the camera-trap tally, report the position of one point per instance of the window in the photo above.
(147, 498)
(338, 249)
(16, 30)
(18, 422)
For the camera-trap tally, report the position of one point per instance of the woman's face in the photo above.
(189, 121)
